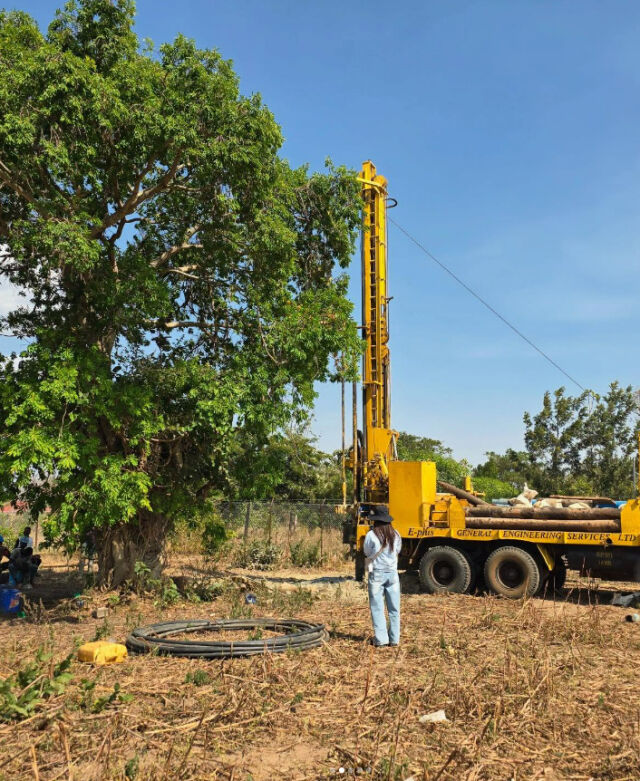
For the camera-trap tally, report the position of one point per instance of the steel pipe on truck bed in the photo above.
(546, 513)
(581, 498)
(524, 524)
(460, 494)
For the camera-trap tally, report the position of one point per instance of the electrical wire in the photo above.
(155, 638)
(485, 303)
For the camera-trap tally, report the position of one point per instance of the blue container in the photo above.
(10, 601)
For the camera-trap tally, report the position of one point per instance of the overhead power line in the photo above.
(485, 303)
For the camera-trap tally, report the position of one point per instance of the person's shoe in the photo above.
(393, 645)
(375, 644)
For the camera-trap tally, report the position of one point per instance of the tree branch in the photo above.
(162, 259)
(183, 272)
(264, 341)
(186, 244)
(168, 325)
(139, 196)
(7, 177)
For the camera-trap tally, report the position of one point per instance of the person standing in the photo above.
(381, 548)
(25, 540)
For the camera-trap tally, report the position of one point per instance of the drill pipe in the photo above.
(460, 494)
(546, 513)
(543, 525)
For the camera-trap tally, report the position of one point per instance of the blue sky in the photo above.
(509, 135)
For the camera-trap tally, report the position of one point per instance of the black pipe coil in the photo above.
(155, 638)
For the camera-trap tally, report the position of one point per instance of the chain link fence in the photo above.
(277, 521)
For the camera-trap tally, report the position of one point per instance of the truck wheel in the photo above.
(359, 566)
(512, 572)
(445, 569)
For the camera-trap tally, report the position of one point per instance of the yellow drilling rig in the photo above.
(456, 540)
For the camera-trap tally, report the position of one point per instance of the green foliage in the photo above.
(492, 488)
(238, 607)
(292, 469)
(257, 554)
(8, 533)
(414, 448)
(132, 767)
(94, 704)
(214, 536)
(305, 554)
(186, 284)
(103, 630)
(205, 590)
(510, 468)
(23, 693)
(290, 603)
(198, 678)
(164, 589)
(576, 445)
(554, 437)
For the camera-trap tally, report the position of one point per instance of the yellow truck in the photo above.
(455, 540)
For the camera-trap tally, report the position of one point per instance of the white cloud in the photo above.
(10, 297)
(10, 294)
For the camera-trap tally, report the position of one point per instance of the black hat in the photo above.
(379, 513)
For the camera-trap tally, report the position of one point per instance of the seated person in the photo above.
(23, 566)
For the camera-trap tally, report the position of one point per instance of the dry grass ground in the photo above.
(540, 689)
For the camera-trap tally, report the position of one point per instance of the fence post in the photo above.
(247, 521)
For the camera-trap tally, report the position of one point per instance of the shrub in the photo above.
(165, 589)
(303, 555)
(205, 590)
(258, 554)
(23, 693)
(494, 488)
(214, 536)
(198, 678)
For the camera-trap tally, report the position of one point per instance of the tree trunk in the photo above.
(122, 546)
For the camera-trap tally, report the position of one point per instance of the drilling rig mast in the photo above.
(378, 445)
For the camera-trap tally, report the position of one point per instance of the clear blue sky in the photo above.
(509, 135)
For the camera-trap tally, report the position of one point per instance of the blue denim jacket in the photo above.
(387, 561)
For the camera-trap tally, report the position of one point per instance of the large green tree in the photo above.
(610, 442)
(183, 281)
(412, 447)
(581, 444)
(287, 467)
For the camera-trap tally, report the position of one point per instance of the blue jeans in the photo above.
(385, 587)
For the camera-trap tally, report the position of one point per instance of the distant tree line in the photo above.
(575, 445)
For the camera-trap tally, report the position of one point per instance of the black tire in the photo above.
(446, 570)
(512, 572)
(359, 560)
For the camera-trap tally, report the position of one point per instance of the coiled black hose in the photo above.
(297, 636)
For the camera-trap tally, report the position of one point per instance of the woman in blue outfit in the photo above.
(381, 548)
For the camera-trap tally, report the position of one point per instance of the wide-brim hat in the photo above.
(379, 513)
